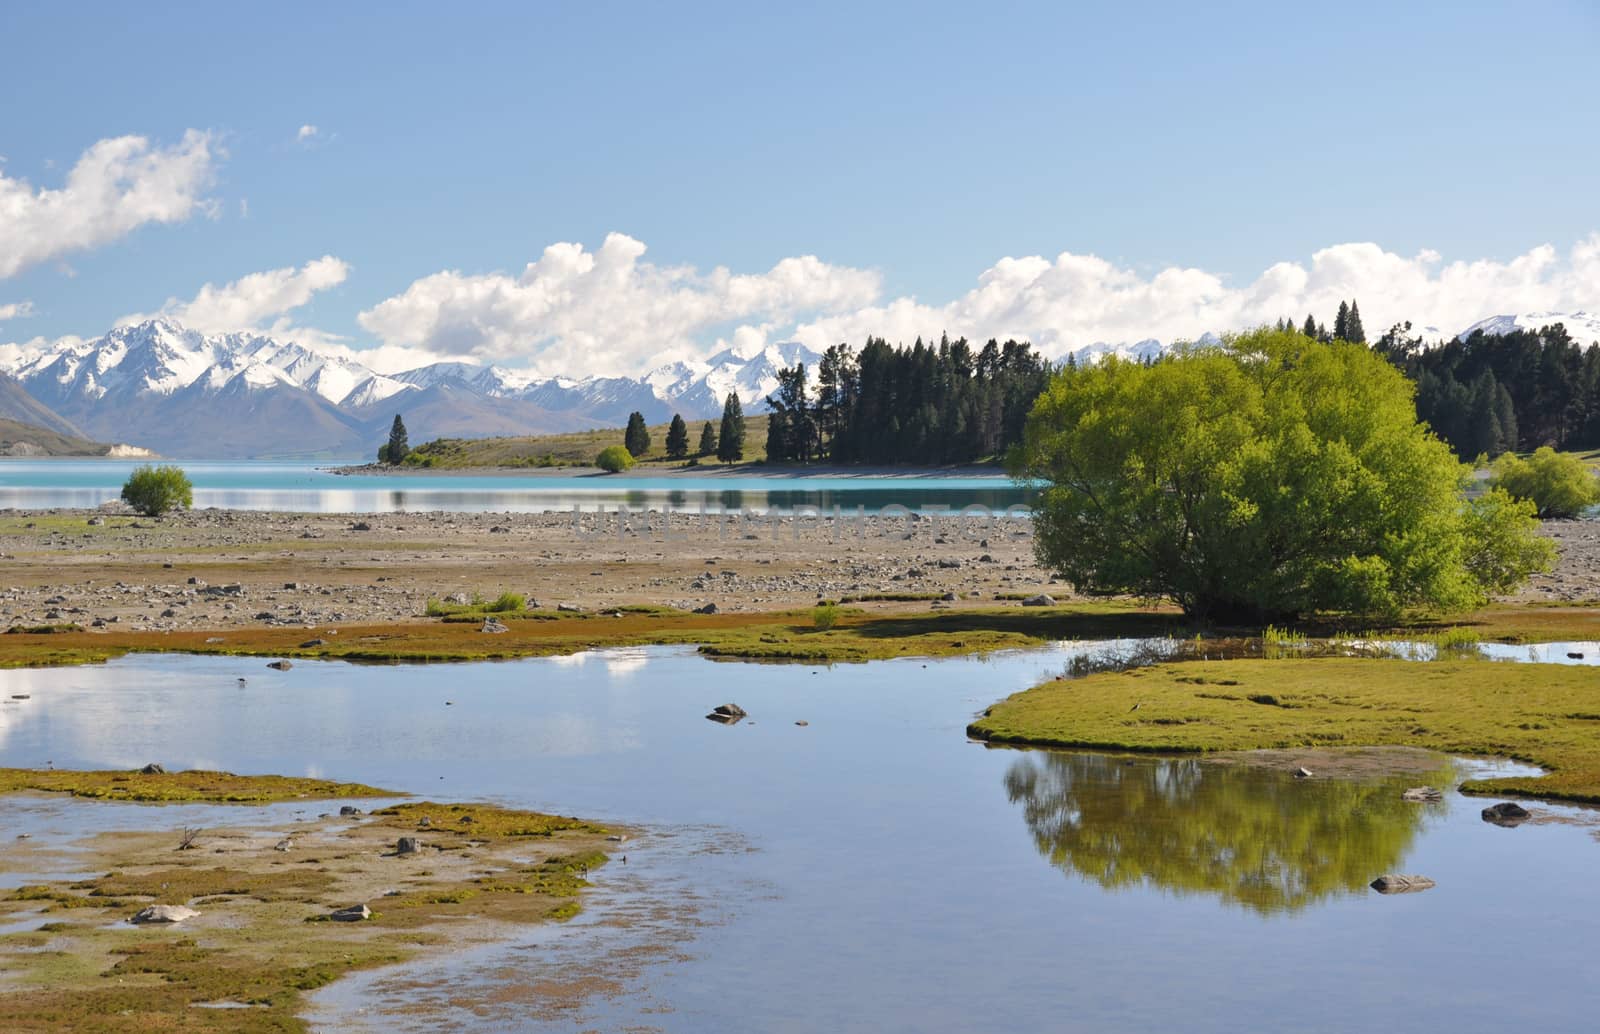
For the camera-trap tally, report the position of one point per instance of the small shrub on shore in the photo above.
(1559, 485)
(155, 490)
(824, 617)
(614, 459)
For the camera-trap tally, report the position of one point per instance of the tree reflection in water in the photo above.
(1253, 837)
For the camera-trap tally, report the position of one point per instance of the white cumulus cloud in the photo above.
(15, 310)
(1075, 300)
(605, 311)
(250, 301)
(306, 133)
(117, 186)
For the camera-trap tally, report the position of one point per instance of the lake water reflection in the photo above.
(873, 870)
(1247, 836)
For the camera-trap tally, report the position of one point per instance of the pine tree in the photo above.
(777, 437)
(1310, 329)
(730, 443)
(398, 448)
(637, 437)
(1341, 322)
(708, 440)
(1353, 331)
(677, 438)
(1505, 413)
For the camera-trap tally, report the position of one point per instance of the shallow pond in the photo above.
(873, 870)
(306, 488)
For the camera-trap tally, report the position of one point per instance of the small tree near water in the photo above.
(708, 440)
(397, 448)
(677, 438)
(155, 490)
(637, 436)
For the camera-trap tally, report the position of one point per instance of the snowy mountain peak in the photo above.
(1583, 327)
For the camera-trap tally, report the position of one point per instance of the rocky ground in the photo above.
(226, 568)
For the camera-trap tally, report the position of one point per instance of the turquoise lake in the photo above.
(307, 488)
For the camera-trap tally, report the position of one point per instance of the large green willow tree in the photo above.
(1267, 478)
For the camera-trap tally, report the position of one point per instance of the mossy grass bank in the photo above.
(856, 635)
(195, 786)
(456, 633)
(265, 896)
(1544, 714)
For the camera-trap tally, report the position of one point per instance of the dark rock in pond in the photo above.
(407, 845)
(1574, 655)
(349, 809)
(1506, 814)
(280, 665)
(709, 608)
(727, 714)
(152, 769)
(1422, 793)
(1302, 773)
(1397, 884)
(802, 722)
(309, 643)
(1042, 599)
(353, 914)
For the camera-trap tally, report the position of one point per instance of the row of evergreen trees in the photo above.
(1495, 393)
(727, 446)
(920, 405)
(1346, 326)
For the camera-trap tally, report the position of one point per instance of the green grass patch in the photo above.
(209, 787)
(1528, 712)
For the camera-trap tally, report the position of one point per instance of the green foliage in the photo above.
(708, 440)
(730, 442)
(637, 437)
(398, 448)
(1268, 478)
(824, 616)
(677, 438)
(155, 490)
(614, 459)
(1558, 484)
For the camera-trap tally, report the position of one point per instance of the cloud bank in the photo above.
(251, 302)
(610, 312)
(606, 311)
(117, 186)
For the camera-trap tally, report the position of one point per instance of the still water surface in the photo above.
(305, 488)
(874, 871)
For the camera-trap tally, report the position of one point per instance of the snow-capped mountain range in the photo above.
(1582, 327)
(187, 394)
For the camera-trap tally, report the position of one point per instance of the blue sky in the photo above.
(909, 148)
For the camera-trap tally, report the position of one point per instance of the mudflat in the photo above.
(219, 569)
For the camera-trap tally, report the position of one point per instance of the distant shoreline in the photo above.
(644, 470)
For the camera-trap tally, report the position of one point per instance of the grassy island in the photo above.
(1544, 714)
